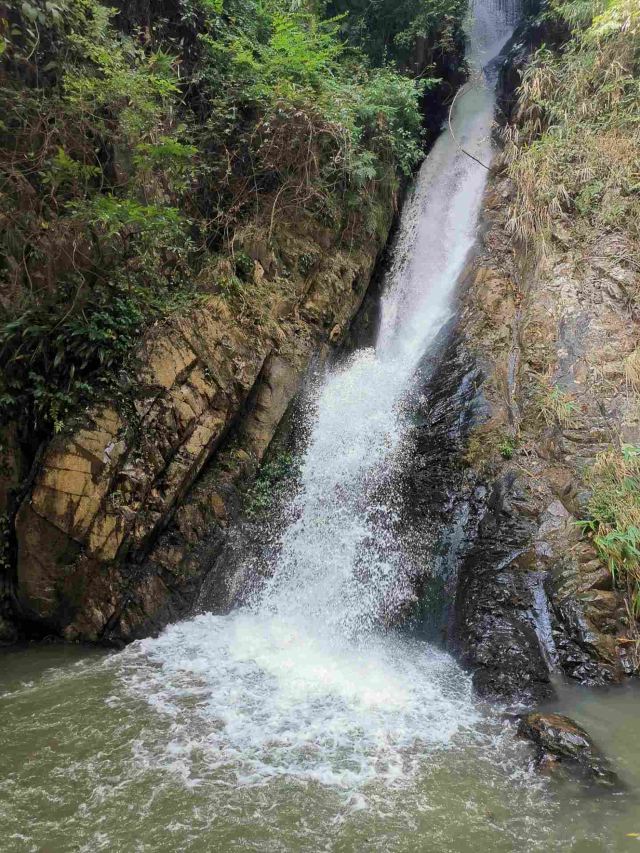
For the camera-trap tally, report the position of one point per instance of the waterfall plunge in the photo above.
(304, 681)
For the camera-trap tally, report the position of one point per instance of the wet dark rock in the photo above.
(476, 538)
(533, 596)
(496, 630)
(524, 608)
(559, 740)
(438, 502)
(8, 632)
(587, 655)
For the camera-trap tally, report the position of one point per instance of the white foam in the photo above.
(305, 681)
(262, 696)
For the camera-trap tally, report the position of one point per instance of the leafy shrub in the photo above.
(614, 517)
(243, 265)
(95, 246)
(326, 132)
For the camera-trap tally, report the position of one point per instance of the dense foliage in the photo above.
(132, 148)
(394, 29)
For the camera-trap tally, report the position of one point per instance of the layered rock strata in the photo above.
(107, 532)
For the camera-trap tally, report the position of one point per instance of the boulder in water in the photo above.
(559, 740)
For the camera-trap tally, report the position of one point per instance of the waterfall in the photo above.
(307, 680)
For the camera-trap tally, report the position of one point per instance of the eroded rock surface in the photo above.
(533, 595)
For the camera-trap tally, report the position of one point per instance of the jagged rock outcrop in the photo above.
(554, 335)
(533, 596)
(525, 389)
(106, 537)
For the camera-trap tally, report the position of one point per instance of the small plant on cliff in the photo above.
(557, 407)
(613, 521)
(273, 474)
(632, 370)
(507, 447)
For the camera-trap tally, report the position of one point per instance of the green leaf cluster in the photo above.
(613, 517)
(272, 478)
(134, 145)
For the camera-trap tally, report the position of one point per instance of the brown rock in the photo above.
(593, 575)
(105, 494)
(602, 609)
(279, 383)
(43, 553)
(559, 740)
(218, 506)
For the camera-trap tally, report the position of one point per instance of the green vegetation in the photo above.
(273, 474)
(487, 444)
(95, 165)
(507, 447)
(391, 29)
(614, 518)
(573, 149)
(133, 151)
(556, 406)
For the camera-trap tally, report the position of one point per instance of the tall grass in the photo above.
(614, 518)
(572, 150)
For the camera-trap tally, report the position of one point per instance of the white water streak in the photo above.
(304, 682)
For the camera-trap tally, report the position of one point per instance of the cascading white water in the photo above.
(298, 724)
(304, 681)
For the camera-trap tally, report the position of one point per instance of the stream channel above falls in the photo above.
(298, 722)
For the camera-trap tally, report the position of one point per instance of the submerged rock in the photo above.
(559, 740)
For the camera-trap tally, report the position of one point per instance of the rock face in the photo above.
(475, 534)
(495, 481)
(552, 338)
(533, 596)
(107, 535)
(559, 740)
(499, 599)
